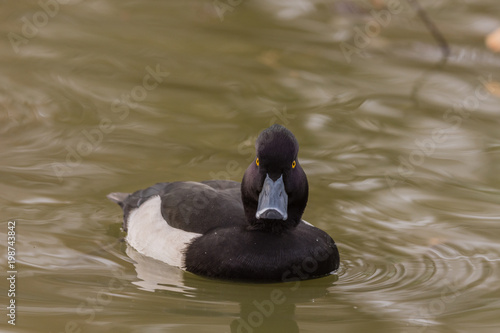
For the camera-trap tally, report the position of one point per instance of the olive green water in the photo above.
(402, 157)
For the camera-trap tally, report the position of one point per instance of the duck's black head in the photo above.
(274, 188)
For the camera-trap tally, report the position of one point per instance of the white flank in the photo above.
(152, 236)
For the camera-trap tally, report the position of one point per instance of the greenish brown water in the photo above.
(402, 157)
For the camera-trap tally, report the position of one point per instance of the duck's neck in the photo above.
(273, 226)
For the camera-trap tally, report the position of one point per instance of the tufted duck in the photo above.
(223, 229)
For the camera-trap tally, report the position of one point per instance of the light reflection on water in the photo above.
(414, 214)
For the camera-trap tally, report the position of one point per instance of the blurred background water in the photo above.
(401, 149)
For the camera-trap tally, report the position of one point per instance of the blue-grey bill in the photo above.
(273, 200)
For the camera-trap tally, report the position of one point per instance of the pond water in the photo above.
(401, 149)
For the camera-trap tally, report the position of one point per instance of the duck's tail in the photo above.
(118, 197)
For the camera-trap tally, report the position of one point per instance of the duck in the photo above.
(222, 229)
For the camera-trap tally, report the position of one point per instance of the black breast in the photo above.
(239, 254)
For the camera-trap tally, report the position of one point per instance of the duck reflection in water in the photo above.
(262, 307)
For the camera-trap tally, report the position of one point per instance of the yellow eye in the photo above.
(293, 164)
(257, 161)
